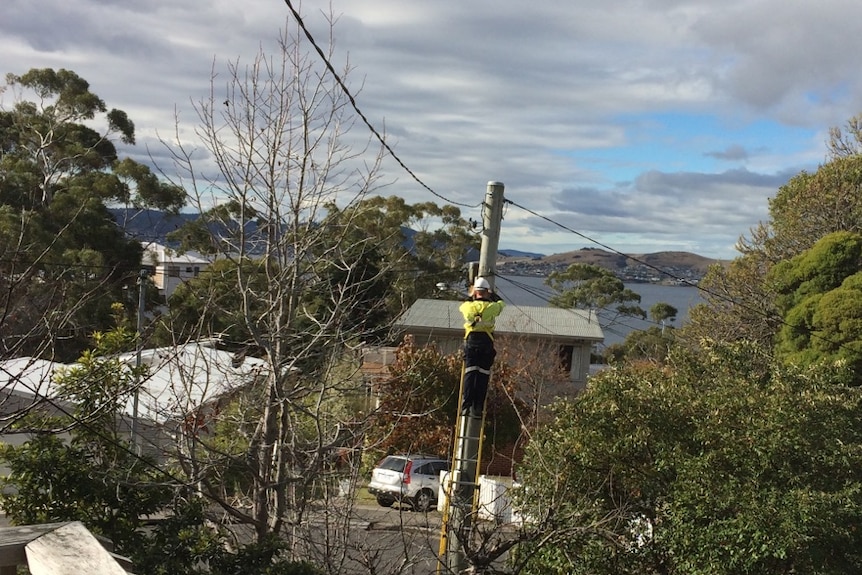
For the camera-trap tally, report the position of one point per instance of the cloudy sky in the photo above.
(643, 125)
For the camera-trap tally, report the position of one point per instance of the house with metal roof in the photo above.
(181, 381)
(566, 336)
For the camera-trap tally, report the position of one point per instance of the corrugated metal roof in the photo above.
(443, 315)
(181, 378)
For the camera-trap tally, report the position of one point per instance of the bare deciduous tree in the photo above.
(278, 150)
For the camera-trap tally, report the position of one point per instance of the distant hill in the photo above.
(614, 261)
(149, 225)
(635, 267)
(664, 260)
(518, 254)
(153, 226)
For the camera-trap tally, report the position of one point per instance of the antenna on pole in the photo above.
(492, 216)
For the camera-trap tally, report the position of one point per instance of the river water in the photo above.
(531, 290)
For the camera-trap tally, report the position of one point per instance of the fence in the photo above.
(494, 503)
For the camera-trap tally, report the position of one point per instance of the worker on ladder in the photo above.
(480, 312)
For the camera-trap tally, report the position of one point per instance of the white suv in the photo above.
(413, 479)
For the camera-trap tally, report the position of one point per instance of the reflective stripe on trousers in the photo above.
(477, 368)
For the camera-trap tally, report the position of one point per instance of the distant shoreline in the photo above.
(663, 283)
(662, 268)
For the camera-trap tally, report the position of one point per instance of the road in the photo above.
(382, 518)
(379, 540)
(390, 541)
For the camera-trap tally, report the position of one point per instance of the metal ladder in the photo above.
(462, 488)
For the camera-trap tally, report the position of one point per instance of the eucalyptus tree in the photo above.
(595, 288)
(740, 300)
(63, 259)
(419, 245)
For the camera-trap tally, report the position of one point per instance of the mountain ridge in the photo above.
(636, 267)
(154, 226)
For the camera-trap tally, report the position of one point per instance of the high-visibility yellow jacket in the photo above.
(480, 314)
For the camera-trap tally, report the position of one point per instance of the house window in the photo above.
(197, 271)
(565, 355)
(174, 271)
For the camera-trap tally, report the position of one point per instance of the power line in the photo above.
(600, 244)
(766, 315)
(546, 295)
(96, 430)
(355, 106)
(516, 306)
(540, 293)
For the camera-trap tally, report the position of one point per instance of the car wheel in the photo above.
(384, 501)
(423, 500)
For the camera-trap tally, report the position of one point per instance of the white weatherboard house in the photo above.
(561, 335)
(172, 269)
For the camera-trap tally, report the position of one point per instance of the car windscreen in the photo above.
(393, 464)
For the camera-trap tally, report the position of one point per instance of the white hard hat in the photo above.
(481, 283)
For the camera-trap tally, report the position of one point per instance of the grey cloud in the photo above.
(774, 51)
(657, 182)
(473, 91)
(731, 153)
(675, 207)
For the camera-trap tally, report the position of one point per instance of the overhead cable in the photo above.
(765, 314)
(353, 103)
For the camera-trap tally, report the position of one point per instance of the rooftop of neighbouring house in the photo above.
(157, 254)
(180, 379)
(548, 322)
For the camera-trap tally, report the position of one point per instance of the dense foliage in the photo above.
(418, 400)
(740, 300)
(725, 462)
(63, 259)
(820, 298)
(209, 305)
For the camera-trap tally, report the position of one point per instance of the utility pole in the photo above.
(142, 290)
(462, 496)
(492, 216)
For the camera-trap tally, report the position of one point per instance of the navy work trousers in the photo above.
(479, 356)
